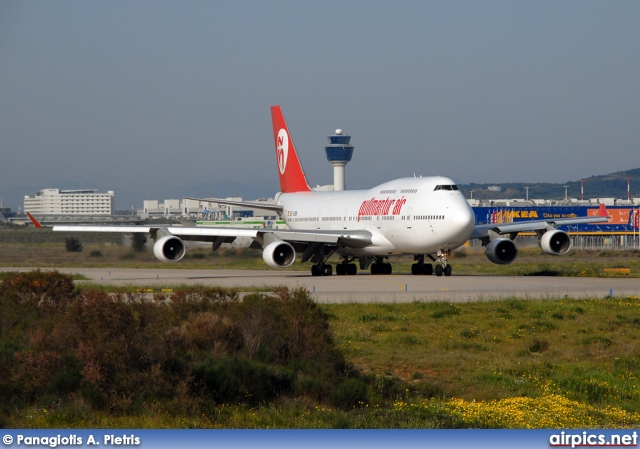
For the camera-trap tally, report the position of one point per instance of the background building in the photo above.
(55, 202)
(190, 209)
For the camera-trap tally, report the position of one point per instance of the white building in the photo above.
(50, 202)
(155, 209)
(203, 209)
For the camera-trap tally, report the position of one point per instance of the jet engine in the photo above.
(555, 242)
(279, 254)
(501, 251)
(169, 249)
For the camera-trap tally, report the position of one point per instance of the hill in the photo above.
(613, 185)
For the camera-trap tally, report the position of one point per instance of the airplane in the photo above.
(427, 217)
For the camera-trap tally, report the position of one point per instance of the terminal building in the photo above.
(57, 202)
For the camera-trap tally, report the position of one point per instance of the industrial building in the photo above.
(190, 209)
(57, 202)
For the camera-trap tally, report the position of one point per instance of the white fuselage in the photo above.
(404, 216)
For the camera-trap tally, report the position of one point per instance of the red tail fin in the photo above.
(292, 177)
(603, 211)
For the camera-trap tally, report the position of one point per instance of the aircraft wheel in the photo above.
(375, 268)
(341, 269)
(352, 269)
(328, 270)
(316, 271)
(439, 270)
(427, 269)
(415, 269)
(447, 270)
(387, 268)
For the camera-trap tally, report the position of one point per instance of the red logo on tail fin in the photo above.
(292, 177)
(282, 150)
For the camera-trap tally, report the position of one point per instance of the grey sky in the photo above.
(149, 97)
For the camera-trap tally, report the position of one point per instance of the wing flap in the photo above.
(357, 239)
(121, 229)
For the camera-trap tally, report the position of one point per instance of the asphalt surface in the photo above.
(365, 287)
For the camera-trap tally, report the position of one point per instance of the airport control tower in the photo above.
(339, 152)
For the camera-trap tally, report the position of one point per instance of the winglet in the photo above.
(36, 223)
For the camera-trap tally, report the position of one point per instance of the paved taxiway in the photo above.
(367, 288)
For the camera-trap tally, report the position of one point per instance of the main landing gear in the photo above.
(349, 268)
(420, 267)
(346, 267)
(343, 268)
(319, 254)
(321, 270)
(379, 266)
(442, 267)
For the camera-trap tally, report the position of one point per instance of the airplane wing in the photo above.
(483, 231)
(491, 231)
(353, 239)
(498, 238)
(311, 243)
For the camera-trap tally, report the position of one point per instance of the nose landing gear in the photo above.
(444, 267)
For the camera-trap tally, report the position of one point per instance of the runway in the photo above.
(368, 288)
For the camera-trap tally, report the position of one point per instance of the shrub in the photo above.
(236, 380)
(350, 393)
(73, 245)
(538, 346)
(122, 353)
(38, 287)
(138, 242)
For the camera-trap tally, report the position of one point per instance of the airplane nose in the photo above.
(463, 222)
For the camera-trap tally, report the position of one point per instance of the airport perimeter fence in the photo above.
(616, 242)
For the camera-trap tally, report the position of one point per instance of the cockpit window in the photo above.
(446, 187)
